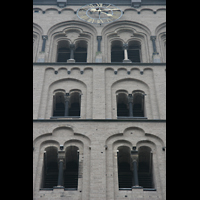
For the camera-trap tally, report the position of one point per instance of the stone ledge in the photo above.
(113, 63)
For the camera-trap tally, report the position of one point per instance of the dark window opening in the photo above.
(80, 53)
(134, 51)
(125, 173)
(71, 169)
(117, 53)
(138, 105)
(74, 109)
(122, 105)
(134, 55)
(59, 106)
(73, 104)
(63, 51)
(145, 175)
(50, 168)
(125, 168)
(63, 55)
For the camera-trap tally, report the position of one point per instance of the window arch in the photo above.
(50, 167)
(124, 167)
(58, 104)
(63, 51)
(130, 105)
(145, 172)
(134, 51)
(80, 53)
(138, 104)
(74, 103)
(51, 171)
(122, 105)
(117, 53)
(67, 104)
(71, 167)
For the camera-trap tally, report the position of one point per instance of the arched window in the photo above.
(66, 104)
(74, 104)
(59, 104)
(117, 53)
(134, 51)
(131, 105)
(80, 53)
(125, 173)
(138, 104)
(63, 51)
(122, 105)
(50, 170)
(71, 168)
(145, 175)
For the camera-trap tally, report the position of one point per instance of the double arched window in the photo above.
(130, 105)
(120, 50)
(63, 52)
(51, 169)
(67, 104)
(126, 175)
(67, 50)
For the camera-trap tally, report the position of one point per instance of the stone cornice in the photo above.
(100, 120)
(105, 64)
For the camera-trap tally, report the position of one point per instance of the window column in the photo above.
(44, 38)
(72, 48)
(41, 55)
(61, 160)
(125, 48)
(134, 160)
(130, 104)
(99, 38)
(155, 56)
(66, 97)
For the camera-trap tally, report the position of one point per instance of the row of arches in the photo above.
(78, 51)
(112, 156)
(120, 84)
(71, 168)
(80, 42)
(69, 104)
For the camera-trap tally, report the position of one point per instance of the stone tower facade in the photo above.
(99, 109)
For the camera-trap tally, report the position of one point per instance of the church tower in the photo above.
(99, 100)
